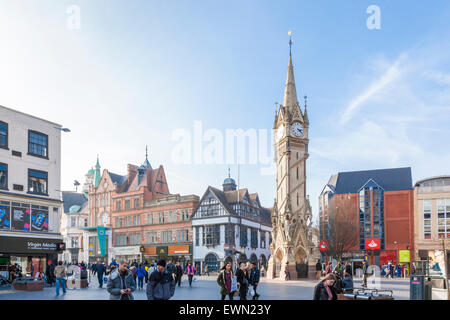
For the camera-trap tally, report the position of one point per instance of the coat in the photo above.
(222, 283)
(141, 272)
(254, 276)
(190, 270)
(115, 284)
(320, 293)
(242, 277)
(161, 286)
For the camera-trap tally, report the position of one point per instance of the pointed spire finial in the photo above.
(146, 162)
(290, 42)
(229, 174)
(306, 98)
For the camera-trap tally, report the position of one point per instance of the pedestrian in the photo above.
(94, 269)
(133, 272)
(146, 266)
(324, 290)
(140, 272)
(364, 273)
(101, 270)
(178, 273)
(60, 275)
(318, 270)
(254, 279)
(190, 271)
(242, 281)
(286, 271)
(197, 270)
(121, 284)
(348, 269)
(339, 269)
(225, 281)
(161, 285)
(391, 269)
(329, 268)
(170, 268)
(347, 283)
(206, 270)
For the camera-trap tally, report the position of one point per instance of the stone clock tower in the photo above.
(291, 214)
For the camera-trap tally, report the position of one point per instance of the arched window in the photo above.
(212, 262)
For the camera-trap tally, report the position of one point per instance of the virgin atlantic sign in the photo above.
(373, 244)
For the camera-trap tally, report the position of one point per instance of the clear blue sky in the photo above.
(138, 70)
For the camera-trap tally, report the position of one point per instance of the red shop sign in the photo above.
(373, 244)
(323, 245)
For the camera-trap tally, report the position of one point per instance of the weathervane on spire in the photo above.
(306, 97)
(146, 152)
(290, 41)
(229, 175)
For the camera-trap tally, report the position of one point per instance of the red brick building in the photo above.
(382, 202)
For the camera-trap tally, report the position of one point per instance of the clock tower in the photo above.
(291, 214)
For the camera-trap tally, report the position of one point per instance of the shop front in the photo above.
(29, 256)
(174, 253)
(126, 253)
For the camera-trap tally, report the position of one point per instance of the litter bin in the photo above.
(420, 287)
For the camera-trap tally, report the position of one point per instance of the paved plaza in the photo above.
(205, 288)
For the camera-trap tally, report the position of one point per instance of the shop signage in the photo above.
(373, 244)
(184, 249)
(323, 245)
(119, 251)
(30, 245)
(404, 256)
(162, 250)
(151, 251)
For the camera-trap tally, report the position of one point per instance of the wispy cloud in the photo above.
(392, 73)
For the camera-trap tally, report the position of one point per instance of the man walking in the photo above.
(318, 269)
(286, 271)
(178, 273)
(254, 279)
(60, 274)
(101, 269)
(364, 272)
(242, 280)
(161, 285)
(121, 283)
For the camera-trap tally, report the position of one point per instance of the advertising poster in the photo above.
(39, 220)
(5, 218)
(20, 219)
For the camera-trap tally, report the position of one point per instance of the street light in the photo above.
(63, 129)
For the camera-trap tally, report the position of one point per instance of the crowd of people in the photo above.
(242, 282)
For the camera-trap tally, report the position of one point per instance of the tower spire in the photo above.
(290, 91)
(146, 162)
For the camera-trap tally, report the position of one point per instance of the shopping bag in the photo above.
(234, 284)
(105, 279)
(251, 291)
(195, 278)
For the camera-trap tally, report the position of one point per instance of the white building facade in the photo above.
(30, 196)
(230, 225)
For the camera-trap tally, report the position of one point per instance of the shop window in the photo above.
(3, 135)
(3, 176)
(37, 144)
(37, 182)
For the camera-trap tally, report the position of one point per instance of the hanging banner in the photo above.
(101, 239)
(323, 245)
(373, 244)
(5, 217)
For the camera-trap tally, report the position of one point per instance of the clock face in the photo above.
(280, 132)
(297, 129)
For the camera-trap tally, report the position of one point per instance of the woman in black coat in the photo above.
(242, 280)
(324, 290)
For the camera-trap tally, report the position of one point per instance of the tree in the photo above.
(343, 226)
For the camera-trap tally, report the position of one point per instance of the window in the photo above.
(121, 239)
(254, 238)
(427, 219)
(166, 236)
(229, 234)
(85, 222)
(37, 182)
(3, 135)
(263, 240)
(136, 203)
(127, 204)
(443, 211)
(172, 216)
(243, 237)
(37, 144)
(136, 220)
(135, 238)
(197, 236)
(118, 205)
(74, 242)
(3, 176)
(211, 235)
(73, 222)
(182, 235)
(161, 217)
(152, 237)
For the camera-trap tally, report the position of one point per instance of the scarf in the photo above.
(330, 295)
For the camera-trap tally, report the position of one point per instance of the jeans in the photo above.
(100, 280)
(190, 276)
(62, 282)
(243, 291)
(178, 279)
(140, 283)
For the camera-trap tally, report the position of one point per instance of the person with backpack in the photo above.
(121, 284)
(225, 281)
(161, 285)
(140, 272)
(190, 271)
